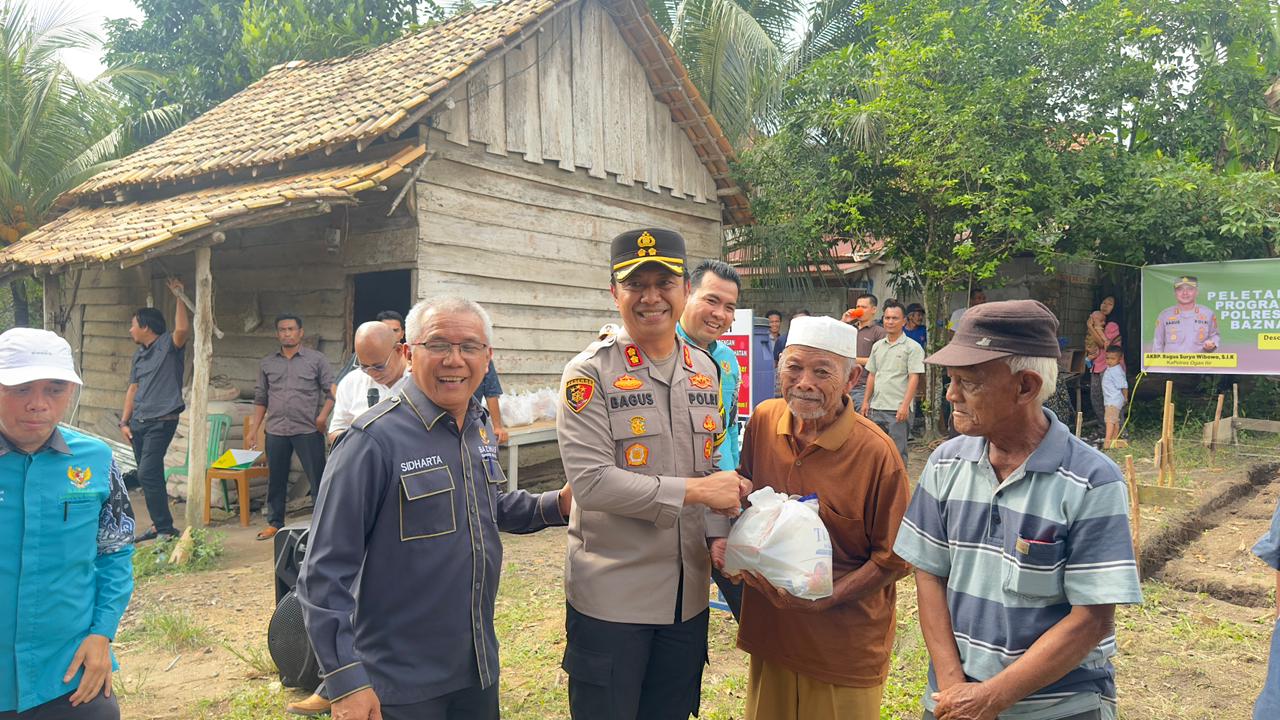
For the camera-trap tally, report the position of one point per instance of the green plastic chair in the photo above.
(219, 425)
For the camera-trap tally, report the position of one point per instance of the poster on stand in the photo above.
(739, 340)
(1212, 317)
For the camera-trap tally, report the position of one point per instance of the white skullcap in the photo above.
(824, 333)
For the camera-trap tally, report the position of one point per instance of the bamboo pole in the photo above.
(1213, 437)
(1079, 422)
(1235, 412)
(1170, 463)
(1166, 420)
(1135, 511)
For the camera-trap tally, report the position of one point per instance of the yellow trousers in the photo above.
(776, 693)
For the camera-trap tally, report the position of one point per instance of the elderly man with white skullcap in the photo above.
(66, 573)
(826, 659)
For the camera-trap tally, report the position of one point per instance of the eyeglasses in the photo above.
(380, 366)
(442, 348)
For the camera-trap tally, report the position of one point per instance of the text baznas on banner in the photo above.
(1219, 317)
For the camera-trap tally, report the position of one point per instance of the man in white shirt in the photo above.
(381, 370)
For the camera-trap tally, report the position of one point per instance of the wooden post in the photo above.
(1166, 421)
(1079, 422)
(1135, 510)
(1235, 412)
(49, 301)
(1213, 436)
(201, 358)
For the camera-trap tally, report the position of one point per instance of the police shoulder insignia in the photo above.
(634, 358)
(688, 359)
(637, 425)
(578, 392)
(699, 380)
(709, 424)
(79, 477)
(628, 382)
(706, 448)
(637, 455)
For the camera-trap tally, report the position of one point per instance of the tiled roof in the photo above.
(110, 232)
(302, 108)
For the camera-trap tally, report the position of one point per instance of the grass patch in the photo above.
(257, 657)
(173, 631)
(263, 701)
(152, 559)
(129, 686)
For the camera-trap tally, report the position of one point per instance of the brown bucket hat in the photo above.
(999, 329)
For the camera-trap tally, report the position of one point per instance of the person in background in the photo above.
(826, 659)
(894, 371)
(294, 395)
(707, 315)
(404, 557)
(153, 403)
(915, 327)
(1095, 351)
(1019, 534)
(977, 296)
(777, 339)
(391, 319)
(488, 393)
(1267, 707)
(66, 572)
(383, 368)
(869, 333)
(1115, 390)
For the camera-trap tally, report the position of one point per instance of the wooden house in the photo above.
(492, 156)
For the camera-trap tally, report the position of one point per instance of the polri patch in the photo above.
(636, 455)
(709, 424)
(628, 382)
(637, 425)
(700, 380)
(578, 393)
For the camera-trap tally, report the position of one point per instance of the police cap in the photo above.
(635, 248)
(1186, 280)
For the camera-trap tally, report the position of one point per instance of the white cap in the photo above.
(824, 333)
(27, 355)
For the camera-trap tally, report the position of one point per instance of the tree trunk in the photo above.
(935, 306)
(21, 310)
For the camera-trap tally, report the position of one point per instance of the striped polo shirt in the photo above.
(1018, 554)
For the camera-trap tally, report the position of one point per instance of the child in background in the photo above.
(1268, 549)
(1115, 393)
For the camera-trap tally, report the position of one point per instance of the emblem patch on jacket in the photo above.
(709, 424)
(636, 455)
(578, 392)
(637, 425)
(79, 477)
(688, 359)
(634, 358)
(700, 380)
(484, 436)
(706, 449)
(628, 382)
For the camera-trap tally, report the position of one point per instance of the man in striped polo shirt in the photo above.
(1019, 535)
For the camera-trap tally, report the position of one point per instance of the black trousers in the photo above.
(732, 593)
(467, 704)
(280, 450)
(99, 708)
(150, 442)
(625, 671)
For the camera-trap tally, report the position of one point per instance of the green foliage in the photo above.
(257, 657)
(172, 631)
(208, 50)
(152, 559)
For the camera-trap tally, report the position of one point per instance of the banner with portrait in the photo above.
(1212, 317)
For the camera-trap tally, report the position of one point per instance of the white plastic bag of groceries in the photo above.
(784, 540)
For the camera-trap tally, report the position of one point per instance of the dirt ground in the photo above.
(1195, 650)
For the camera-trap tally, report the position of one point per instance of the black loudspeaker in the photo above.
(290, 549)
(286, 635)
(289, 647)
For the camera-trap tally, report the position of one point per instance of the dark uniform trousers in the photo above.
(624, 671)
(99, 708)
(280, 450)
(150, 442)
(471, 703)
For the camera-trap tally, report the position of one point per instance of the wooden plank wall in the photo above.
(531, 244)
(575, 95)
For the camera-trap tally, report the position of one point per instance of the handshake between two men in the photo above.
(722, 491)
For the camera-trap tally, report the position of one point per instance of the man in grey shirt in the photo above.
(153, 403)
(295, 394)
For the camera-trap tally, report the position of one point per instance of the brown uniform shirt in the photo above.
(862, 492)
(628, 439)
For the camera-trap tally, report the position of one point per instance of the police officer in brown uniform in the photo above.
(638, 427)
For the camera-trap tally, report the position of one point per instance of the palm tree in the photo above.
(740, 53)
(55, 130)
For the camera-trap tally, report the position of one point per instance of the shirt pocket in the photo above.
(496, 480)
(707, 426)
(850, 548)
(1039, 571)
(426, 504)
(79, 515)
(636, 434)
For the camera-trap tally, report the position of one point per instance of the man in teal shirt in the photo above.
(707, 315)
(66, 573)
